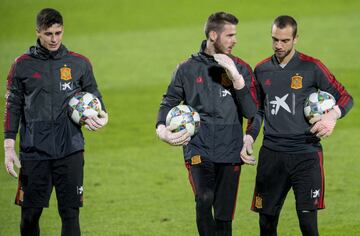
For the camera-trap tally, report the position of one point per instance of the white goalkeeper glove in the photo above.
(176, 139)
(93, 123)
(324, 124)
(247, 151)
(228, 64)
(11, 157)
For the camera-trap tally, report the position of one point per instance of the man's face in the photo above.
(51, 37)
(226, 40)
(283, 41)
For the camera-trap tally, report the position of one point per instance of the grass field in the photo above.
(134, 184)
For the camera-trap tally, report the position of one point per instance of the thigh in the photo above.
(226, 188)
(201, 177)
(35, 184)
(308, 181)
(272, 182)
(68, 175)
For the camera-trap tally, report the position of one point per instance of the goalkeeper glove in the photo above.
(247, 151)
(11, 157)
(176, 139)
(94, 123)
(228, 64)
(324, 124)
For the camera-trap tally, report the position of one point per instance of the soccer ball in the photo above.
(183, 117)
(318, 103)
(82, 105)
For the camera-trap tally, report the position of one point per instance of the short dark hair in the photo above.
(47, 17)
(283, 21)
(217, 20)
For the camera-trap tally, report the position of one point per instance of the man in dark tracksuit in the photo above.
(220, 87)
(39, 86)
(291, 154)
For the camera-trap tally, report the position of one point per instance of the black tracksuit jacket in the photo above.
(39, 86)
(203, 84)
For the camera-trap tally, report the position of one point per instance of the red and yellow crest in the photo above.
(195, 160)
(296, 82)
(258, 202)
(65, 73)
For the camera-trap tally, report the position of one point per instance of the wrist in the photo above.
(337, 111)
(9, 143)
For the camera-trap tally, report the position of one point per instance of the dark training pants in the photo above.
(215, 186)
(36, 181)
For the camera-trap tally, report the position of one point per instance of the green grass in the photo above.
(136, 185)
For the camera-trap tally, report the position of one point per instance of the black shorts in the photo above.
(37, 178)
(277, 172)
(221, 179)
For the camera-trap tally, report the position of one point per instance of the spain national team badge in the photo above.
(195, 160)
(65, 73)
(225, 81)
(21, 195)
(296, 82)
(258, 202)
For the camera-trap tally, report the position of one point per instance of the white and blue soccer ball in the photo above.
(318, 103)
(183, 117)
(82, 105)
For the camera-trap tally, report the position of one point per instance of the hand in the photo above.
(228, 64)
(247, 151)
(324, 125)
(176, 139)
(11, 157)
(93, 123)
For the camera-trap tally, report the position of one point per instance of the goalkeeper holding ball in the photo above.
(220, 87)
(39, 86)
(291, 154)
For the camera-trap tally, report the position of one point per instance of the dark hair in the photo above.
(47, 17)
(283, 21)
(216, 22)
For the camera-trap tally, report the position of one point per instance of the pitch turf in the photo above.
(136, 185)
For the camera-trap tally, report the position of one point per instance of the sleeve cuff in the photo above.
(242, 92)
(10, 135)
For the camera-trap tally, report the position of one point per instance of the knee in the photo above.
(308, 222)
(268, 224)
(68, 213)
(205, 199)
(30, 215)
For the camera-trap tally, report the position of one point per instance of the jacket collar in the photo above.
(202, 56)
(40, 52)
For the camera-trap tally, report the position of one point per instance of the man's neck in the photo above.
(209, 49)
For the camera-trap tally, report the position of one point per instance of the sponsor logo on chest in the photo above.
(65, 76)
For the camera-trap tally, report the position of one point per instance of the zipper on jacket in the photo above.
(52, 90)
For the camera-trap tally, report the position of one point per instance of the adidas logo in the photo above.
(36, 75)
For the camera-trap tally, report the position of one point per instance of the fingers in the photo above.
(250, 160)
(323, 129)
(103, 114)
(224, 61)
(10, 169)
(317, 127)
(249, 149)
(93, 123)
(17, 162)
(180, 138)
(11, 159)
(314, 119)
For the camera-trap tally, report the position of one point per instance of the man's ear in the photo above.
(213, 36)
(296, 39)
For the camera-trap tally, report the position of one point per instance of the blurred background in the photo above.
(137, 185)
